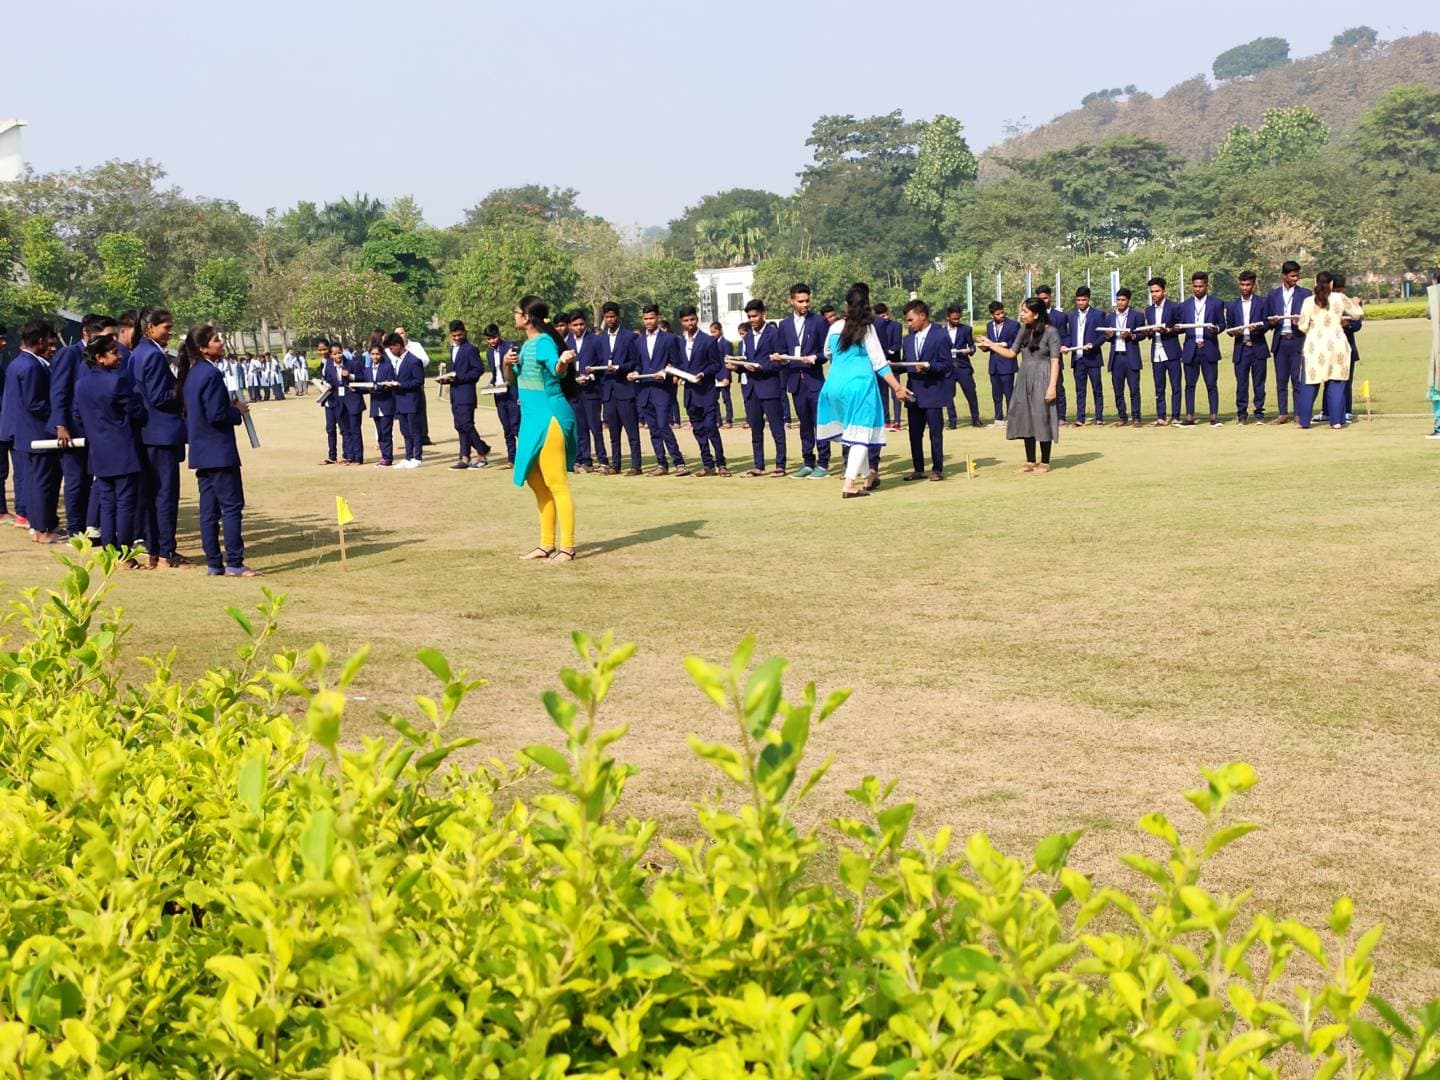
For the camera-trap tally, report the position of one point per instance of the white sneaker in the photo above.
(92, 533)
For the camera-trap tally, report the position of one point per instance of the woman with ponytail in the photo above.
(1034, 417)
(545, 447)
(1327, 350)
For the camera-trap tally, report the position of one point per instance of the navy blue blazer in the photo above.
(617, 387)
(1008, 331)
(804, 378)
(889, 333)
(665, 351)
(1092, 359)
(159, 389)
(330, 376)
(468, 367)
(27, 400)
(1167, 344)
(587, 355)
(964, 339)
(353, 403)
(766, 382)
(1210, 310)
(706, 362)
(495, 364)
(210, 419)
(1129, 319)
(66, 367)
(112, 414)
(931, 387)
(382, 399)
(411, 377)
(1235, 316)
(1275, 305)
(1061, 322)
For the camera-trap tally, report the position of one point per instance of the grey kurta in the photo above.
(1030, 416)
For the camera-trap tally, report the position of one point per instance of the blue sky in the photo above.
(640, 105)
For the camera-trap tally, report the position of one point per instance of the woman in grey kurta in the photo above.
(1033, 416)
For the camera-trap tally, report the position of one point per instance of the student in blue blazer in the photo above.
(1252, 356)
(1060, 320)
(163, 435)
(1002, 371)
(1160, 319)
(210, 421)
(802, 335)
(66, 369)
(619, 393)
(588, 407)
(657, 349)
(1085, 341)
(410, 374)
(111, 410)
(1282, 307)
(382, 405)
(723, 348)
(466, 367)
(330, 376)
(701, 358)
(889, 333)
(507, 401)
(7, 445)
(1200, 353)
(961, 336)
(1120, 329)
(351, 413)
(928, 348)
(1351, 328)
(26, 419)
(764, 379)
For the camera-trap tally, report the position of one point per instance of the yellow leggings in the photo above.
(550, 483)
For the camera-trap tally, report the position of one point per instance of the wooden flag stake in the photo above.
(344, 566)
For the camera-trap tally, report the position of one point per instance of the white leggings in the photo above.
(857, 463)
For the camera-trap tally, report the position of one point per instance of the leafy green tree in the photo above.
(1286, 136)
(887, 142)
(347, 304)
(43, 255)
(1361, 37)
(222, 294)
(696, 235)
(527, 203)
(603, 264)
(405, 212)
(350, 218)
(122, 270)
(1400, 137)
(665, 281)
(1251, 58)
(1417, 221)
(505, 263)
(945, 168)
(829, 278)
(405, 256)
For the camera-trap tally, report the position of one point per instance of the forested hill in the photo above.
(1341, 85)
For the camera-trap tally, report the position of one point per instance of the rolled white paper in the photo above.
(670, 369)
(54, 444)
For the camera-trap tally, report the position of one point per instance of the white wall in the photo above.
(12, 163)
(724, 292)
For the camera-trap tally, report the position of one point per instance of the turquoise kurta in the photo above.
(541, 400)
(849, 408)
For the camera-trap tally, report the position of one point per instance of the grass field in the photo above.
(1027, 654)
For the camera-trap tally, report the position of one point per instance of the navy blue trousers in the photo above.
(1251, 372)
(352, 436)
(705, 426)
(385, 437)
(1061, 406)
(662, 435)
(222, 501)
(119, 496)
(464, 416)
(1289, 372)
(42, 491)
(1210, 370)
(422, 421)
(1002, 389)
(1123, 376)
(1334, 391)
(75, 469)
(622, 414)
(727, 403)
(332, 428)
(807, 405)
(1087, 380)
(508, 413)
(920, 419)
(589, 430)
(759, 413)
(6, 449)
(160, 501)
(410, 431)
(1163, 370)
(964, 378)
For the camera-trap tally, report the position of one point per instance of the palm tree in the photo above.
(742, 238)
(351, 218)
(709, 242)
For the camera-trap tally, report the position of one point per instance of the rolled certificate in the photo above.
(1195, 326)
(652, 375)
(738, 362)
(601, 367)
(54, 444)
(671, 369)
(492, 389)
(904, 363)
(445, 377)
(362, 386)
(324, 394)
(961, 352)
(1286, 318)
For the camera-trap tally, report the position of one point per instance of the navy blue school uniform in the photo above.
(66, 367)
(702, 358)
(8, 451)
(588, 407)
(210, 422)
(163, 435)
(408, 398)
(507, 401)
(1060, 320)
(1354, 327)
(27, 401)
(1125, 362)
(1200, 352)
(766, 387)
(352, 412)
(1251, 356)
(1165, 355)
(330, 376)
(382, 410)
(1083, 336)
(930, 388)
(803, 382)
(1002, 370)
(467, 368)
(725, 347)
(962, 372)
(111, 410)
(1287, 345)
(656, 352)
(619, 394)
(889, 333)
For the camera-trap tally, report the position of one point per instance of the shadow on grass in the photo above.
(309, 541)
(689, 529)
(1070, 461)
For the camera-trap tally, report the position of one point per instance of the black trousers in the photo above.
(920, 419)
(621, 414)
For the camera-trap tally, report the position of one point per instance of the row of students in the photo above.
(385, 381)
(122, 421)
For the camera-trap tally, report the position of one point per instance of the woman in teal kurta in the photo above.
(545, 446)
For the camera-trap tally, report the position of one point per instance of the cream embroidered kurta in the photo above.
(1327, 350)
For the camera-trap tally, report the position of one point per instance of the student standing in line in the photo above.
(723, 349)
(766, 389)
(1160, 319)
(421, 416)
(466, 368)
(702, 359)
(1125, 361)
(962, 370)
(658, 350)
(619, 391)
(801, 342)
(1287, 345)
(1002, 368)
(330, 403)
(7, 448)
(1060, 319)
(410, 374)
(382, 405)
(1034, 417)
(66, 368)
(588, 407)
(889, 332)
(507, 403)
(1252, 357)
(352, 406)
(1200, 354)
(210, 421)
(927, 348)
(1082, 335)
(26, 413)
(163, 435)
(112, 413)
(1326, 349)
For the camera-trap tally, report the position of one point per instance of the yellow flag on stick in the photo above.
(969, 467)
(342, 511)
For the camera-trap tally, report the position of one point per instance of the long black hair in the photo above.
(1323, 284)
(858, 316)
(537, 314)
(189, 354)
(1031, 335)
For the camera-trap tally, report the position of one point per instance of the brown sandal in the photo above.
(561, 555)
(538, 553)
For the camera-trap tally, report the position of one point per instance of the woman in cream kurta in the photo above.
(1327, 350)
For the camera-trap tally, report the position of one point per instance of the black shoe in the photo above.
(461, 465)
(952, 425)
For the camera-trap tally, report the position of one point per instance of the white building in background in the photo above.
(723, 295)
(12, 162)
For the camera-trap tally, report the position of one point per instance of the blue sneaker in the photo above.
(800, 473)
(819, 473)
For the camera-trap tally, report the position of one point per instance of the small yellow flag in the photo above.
(969, 466)
(1365, 389)
(342, 511)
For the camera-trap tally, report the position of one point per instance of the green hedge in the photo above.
(1407, 309)
(197, 880)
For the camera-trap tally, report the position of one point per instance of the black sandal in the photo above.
(854, 494)
(562, 555)
(538, 553)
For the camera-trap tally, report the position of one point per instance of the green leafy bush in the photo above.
(1405, 309)
(197, 879)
